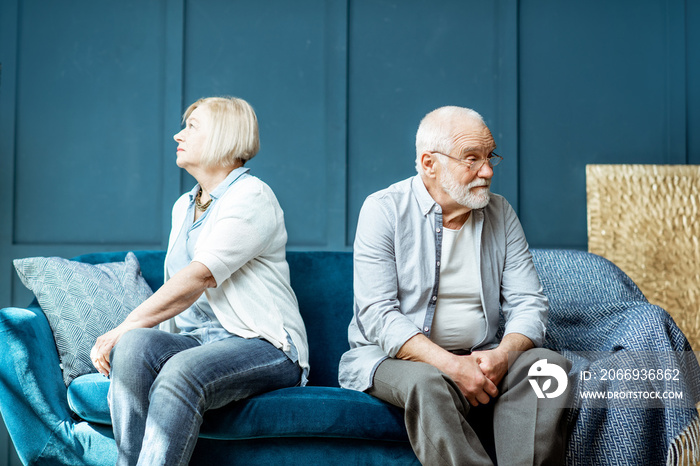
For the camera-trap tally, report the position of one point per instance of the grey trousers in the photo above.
(444, 429)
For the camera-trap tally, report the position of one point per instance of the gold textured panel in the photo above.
(646, 219)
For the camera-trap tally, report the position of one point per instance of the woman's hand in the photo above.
(176, 295)
(103, 347)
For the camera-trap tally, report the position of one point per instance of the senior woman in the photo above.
(230, 326)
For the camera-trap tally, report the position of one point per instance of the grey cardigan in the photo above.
(396, 276)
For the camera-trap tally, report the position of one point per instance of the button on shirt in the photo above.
(397, 268)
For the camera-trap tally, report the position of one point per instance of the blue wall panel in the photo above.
(89, 110)
(406, 59)
(595, 87)
(276, 56)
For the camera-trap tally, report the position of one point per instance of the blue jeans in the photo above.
(162, 384)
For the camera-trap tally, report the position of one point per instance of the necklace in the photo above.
(198, 202)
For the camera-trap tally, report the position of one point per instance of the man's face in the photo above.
(469, 187)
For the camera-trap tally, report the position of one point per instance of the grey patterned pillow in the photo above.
(82, 301)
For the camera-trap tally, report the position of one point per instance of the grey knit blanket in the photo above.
(627, 351)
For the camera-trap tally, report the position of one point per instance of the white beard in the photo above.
(462, 194)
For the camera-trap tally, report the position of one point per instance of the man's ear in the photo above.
(428, 162)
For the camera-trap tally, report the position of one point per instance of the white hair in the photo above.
(437, 129)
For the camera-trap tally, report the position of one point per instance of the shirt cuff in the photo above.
(533, 330)
(399, 337)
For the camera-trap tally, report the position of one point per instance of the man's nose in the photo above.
(485, 171)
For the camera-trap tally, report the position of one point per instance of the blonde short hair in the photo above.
(234, 133)
(436, 131)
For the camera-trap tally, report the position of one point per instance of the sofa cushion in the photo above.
(307, 412)
(289, 412)
(82, 301)
(87, 397)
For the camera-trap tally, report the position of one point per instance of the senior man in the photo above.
(435, 257)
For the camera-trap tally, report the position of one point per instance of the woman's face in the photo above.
(192, 138)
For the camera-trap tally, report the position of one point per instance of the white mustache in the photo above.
(479, 182)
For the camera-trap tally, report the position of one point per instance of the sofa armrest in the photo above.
(33, 396)
(33, 400)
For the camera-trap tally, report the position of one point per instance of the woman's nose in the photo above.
(178, 136)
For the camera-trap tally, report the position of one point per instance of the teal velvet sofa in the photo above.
(594, 307)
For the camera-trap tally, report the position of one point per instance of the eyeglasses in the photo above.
(474, 165)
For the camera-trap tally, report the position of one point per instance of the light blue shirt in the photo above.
(397, 269)
(199, 320)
